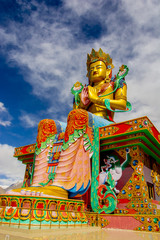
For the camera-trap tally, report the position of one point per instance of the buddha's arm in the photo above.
(120, 99)
(81, 105)
(84, 100)
(119, 102)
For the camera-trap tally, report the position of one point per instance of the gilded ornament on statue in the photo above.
(99, 56)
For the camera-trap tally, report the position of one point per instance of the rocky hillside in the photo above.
(12, 186)
(2, 191)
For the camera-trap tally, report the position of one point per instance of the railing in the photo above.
(72, 218)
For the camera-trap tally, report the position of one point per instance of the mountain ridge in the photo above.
(12, 186)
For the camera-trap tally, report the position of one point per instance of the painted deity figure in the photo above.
(63, 152)
(112, 165)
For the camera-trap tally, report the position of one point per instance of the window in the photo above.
(151, 190)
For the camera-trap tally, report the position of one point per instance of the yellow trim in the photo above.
(53, 191)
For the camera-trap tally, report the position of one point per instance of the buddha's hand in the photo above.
(92, 94)
(84, 96)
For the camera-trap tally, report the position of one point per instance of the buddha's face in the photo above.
(98, 72)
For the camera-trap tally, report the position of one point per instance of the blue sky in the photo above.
(43, 48)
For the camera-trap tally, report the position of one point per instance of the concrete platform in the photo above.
(78, 233)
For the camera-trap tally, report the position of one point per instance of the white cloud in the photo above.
(12, 169)
(52, 58)
(5, 37)
(32, 120)
(29, 120)
(2, 107)
(145, 13)
(5, 118)
(5, 123)
(76, 5)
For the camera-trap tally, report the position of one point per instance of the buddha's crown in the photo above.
(99, 56)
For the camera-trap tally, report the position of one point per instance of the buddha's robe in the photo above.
(73, 171)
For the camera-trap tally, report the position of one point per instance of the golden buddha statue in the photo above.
(101, 87)
(68, 171)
